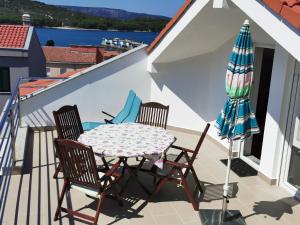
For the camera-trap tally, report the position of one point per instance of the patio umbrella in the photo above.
(237, 119)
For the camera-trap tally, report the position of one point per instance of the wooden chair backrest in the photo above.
(201, 139)
(154, 114)
(78, 163)
(68, 123)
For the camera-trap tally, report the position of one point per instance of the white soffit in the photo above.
(220, 4)
(189, 15)
(209, 30)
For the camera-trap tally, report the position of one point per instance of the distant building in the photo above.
(64, 59)
(110, 54)
(21, 55)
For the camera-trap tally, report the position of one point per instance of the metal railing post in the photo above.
(12, 134)
(19, 107)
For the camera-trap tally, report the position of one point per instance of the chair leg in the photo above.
(57, 170)
(100, 202)
(161, 182)
(154, 170)
(124, 167)
(188, 191)
(196, 180)
(115, 193)
(60, 200)
(105, 163)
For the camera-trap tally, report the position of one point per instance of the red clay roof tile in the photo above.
(276, 5)
(287, 9)
(13, 36)
(73, 54)
(33, 86)
(292, 14)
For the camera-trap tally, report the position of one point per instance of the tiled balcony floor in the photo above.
(33, 196)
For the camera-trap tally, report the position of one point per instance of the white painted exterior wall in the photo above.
(102, 87)
(194, 89)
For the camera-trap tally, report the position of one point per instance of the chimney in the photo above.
(26, 19)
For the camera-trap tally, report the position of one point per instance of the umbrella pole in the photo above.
(226, 185)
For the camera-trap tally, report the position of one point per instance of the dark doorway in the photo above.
(262, 100)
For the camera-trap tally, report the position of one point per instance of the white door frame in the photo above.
(290, 136)
(241, 144)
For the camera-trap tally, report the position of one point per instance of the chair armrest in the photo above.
(182, 149)
(113, 169)
(108, 121)
(108, 114)
(176, 164)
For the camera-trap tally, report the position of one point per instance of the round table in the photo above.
(128, 140)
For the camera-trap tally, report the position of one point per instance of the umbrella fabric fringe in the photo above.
(237, 120)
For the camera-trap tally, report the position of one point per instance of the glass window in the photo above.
(48, 71)
(4, 79)
(63, 70)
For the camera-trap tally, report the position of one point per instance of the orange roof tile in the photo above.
(33, 86)
(287, 9)
(110, 54)
(13, 36)
(69, 74)
(292, 14)
(73, 54)
(169, 25)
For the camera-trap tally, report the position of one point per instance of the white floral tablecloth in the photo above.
(129, 140)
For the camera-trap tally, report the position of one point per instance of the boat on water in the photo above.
(120, 43)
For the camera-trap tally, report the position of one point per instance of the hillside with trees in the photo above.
(53, 16)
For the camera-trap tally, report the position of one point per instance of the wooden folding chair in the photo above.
(68, 125)
(154, 114)
(182, 169)
(80, 173)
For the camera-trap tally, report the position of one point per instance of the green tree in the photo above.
(50, 43)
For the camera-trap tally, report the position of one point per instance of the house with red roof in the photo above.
(185, 68)
(60, 60)
(21, 55)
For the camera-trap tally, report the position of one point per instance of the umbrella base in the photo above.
(213, 217)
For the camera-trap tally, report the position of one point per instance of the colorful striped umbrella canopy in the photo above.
(237, 119)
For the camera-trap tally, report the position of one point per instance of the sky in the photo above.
(156, 7)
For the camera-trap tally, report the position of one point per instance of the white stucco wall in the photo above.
(102, 87)
(194, 89)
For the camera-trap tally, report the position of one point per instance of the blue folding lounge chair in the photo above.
(119, 118)
(134, 112)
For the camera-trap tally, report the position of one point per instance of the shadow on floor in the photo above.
(30, 188)
(37, 193)
(275, 209)
(213, 192)
(240, 168)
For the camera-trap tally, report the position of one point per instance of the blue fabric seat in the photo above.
(90, 125)
(121, 116)
(135, 109)
(128, 114)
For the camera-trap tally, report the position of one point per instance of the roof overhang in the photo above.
(10, 52)
(204, 27)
